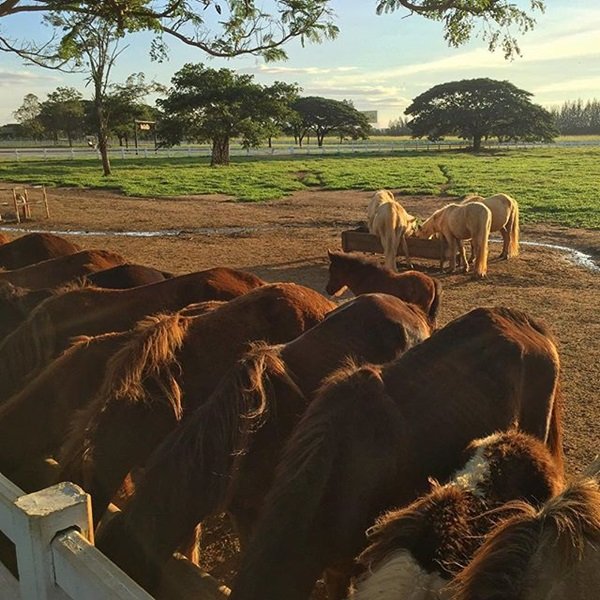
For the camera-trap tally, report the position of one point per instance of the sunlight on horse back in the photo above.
(389, 221)
(505, 219)
(456, 222)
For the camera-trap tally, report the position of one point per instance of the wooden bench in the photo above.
(360, 240)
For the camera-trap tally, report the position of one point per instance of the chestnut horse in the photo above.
(415, 551)
(223, 456)
(33, 248)
(546, 554)
(167, 370)
(90, 311)
(456, 222)
(387, 219)
(4, 239)
(373, 436)
(35, 421)
(58, 271)
(505, 219)
(363, 276)
(16, 303)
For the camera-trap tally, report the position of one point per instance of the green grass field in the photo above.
(553, 185)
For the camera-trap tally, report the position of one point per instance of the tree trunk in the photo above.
(320, 137)
(70, 139)
(220, 151)
(477, 142)
(270, 142)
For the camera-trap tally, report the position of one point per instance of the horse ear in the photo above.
(330, 253)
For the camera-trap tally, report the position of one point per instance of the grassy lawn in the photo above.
(556, 185)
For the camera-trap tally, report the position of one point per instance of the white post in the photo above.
(43, 515)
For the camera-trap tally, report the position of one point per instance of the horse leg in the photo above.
(405, 249)
(505, 243)
(463, 254)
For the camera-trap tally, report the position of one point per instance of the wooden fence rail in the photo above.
(56, 557)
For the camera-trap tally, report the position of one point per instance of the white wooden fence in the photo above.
(56, 558)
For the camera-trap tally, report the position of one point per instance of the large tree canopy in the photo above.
(217, 104)
(233, 27)
(476, 109)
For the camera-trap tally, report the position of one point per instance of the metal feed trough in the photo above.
(360, 240)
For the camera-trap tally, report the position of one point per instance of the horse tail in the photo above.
(482, 238)
(555, 429)
(434, 308)
(513, 231)
(192, 474)
(25, 350)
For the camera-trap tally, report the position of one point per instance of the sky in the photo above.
(378, 62)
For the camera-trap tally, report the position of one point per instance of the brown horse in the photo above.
(415, 551)
(17, 303)
(90, 311)
(373, 437)
(4, 239)
(546, 554)
(170, 368)
(35, 422)
(363, 276)
(223, 456)
(57, 271)
(33, 248)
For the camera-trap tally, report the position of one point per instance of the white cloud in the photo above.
(570, 85)
(10, 78)
(279, 70)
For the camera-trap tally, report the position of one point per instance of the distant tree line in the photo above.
(577, 118)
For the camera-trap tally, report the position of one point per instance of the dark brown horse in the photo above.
(415, 551)
(33, 248)
(223, 456)
(363, 276)
(90, 311)
(16, 303)
(373, 437)
(58, 271)
(541, 554)
(167, 370)
(35, 422)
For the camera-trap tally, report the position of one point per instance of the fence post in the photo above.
(45, 154)
(17, 155)
(44, 514)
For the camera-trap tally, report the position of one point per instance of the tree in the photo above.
(324, 115)
(476, 109)
(229, 28)
(28, 116)
(577, 118)
(215, 105)
(63, 111)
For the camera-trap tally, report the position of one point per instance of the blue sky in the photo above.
(378, 62)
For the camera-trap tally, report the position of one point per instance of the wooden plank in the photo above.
(9, 586)
(362, 241)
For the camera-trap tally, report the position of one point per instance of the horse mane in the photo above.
(568, 521)
(147, 360)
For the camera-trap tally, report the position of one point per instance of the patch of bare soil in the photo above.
(286, 240)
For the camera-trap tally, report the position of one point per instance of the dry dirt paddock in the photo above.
(286, 240)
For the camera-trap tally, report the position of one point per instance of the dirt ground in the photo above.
(286, 240)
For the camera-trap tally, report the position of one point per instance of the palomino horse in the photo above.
(50, 327)
(223, 456)
(546, 554)
(32, 248)
(373, 436)
(387, 219)
(363, 276)
(457, 222)
(166, 371)
(505, 219)
(36, 421)
(415, 551)
(58, 271)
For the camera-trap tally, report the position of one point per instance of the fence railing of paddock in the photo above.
(55, 556)
(371, 146)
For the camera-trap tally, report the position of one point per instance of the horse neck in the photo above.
(363, 279)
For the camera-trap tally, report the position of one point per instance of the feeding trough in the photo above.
(360, 240)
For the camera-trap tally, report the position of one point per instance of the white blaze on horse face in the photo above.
(401, 577)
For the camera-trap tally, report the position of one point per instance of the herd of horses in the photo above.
(472, 219)
(358, 442)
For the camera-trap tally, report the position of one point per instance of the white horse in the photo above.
(505, 219)
(456, 222)
(388, 220)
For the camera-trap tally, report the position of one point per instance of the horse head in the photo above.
(336, 284)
